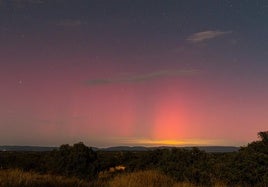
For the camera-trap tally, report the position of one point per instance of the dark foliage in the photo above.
(247, 167)
(77, 160)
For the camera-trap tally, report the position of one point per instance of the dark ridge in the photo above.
(26, 148)
(209, 149)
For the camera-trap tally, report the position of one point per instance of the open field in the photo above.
(18, 178)
(150, 178)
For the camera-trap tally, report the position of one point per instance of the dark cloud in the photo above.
(143, 77)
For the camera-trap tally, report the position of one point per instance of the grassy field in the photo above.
(151, 178)
(18, 178)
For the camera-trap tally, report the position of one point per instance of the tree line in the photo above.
(247, 167)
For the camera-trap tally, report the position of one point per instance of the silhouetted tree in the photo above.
(77, 160)
(263, 136)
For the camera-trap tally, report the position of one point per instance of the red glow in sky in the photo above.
(132, 73)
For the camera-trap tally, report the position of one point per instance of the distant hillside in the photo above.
(26, 148)
(125, 148)
(218, 149)
(209, 149)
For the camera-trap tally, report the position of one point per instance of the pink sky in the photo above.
(52, 108)
(133, 72)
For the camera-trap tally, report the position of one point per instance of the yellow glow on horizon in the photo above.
(163, 142)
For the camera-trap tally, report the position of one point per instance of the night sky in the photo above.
(133, 72)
